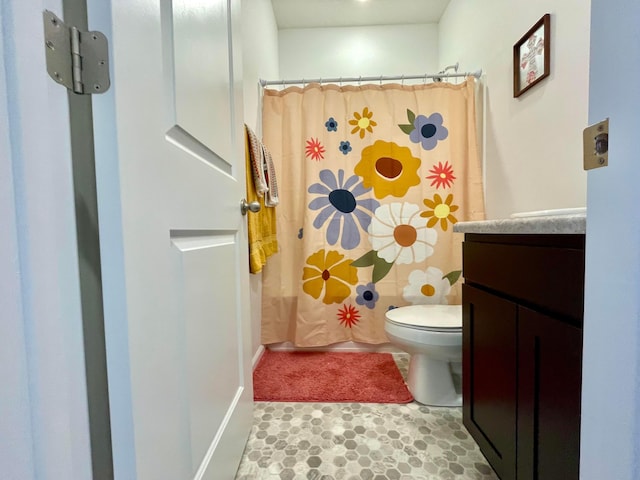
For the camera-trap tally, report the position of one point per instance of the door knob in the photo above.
(252, 207)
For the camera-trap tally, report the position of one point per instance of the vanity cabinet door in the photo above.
(549, 373)
(489, 376)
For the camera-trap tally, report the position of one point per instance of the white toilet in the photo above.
(432, 335)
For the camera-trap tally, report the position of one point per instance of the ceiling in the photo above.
(347, 13)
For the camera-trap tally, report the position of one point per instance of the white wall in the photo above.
(259, 55)
(358, 51)
(534, 142)
(43, 404)
(610, 445)
(16, 440)
(259, 60)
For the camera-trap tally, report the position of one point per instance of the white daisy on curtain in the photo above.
(427, 287)
(399, 235)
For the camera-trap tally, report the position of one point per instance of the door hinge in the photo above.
(76, 59)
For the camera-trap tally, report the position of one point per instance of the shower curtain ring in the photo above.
(340, 81)
(320, 81)
(380, 80)
(360, 81)
(402, 80)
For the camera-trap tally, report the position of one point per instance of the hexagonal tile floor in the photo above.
(353, 441)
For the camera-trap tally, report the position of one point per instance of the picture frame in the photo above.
(531, 56)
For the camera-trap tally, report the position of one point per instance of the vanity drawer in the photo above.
(544, 276)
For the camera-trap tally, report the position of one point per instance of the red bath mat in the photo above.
(329, 377)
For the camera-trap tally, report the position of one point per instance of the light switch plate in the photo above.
(596, 145)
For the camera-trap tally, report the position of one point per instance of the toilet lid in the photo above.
(428, 317)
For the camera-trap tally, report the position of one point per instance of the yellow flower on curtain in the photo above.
(388, 168)
(427, 287)
(440, 211)
(399, 236)
(362, 122)
(329, 273)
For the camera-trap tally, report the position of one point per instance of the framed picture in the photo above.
(531, 59)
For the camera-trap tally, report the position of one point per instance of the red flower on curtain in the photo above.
(348, 316)
(314, 149)
(442, 175)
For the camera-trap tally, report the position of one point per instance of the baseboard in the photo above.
(257, 356)
(336, 347)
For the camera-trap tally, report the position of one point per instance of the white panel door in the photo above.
(170, 166)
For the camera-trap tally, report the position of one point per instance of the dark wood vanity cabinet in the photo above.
(489, 375)
(549, 383)
(522, 352)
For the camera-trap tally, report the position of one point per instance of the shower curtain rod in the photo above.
(380, 78)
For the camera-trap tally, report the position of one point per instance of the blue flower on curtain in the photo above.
(331, 124)
(339, 202)
(345, 147)
(425, 130)
(367, 295)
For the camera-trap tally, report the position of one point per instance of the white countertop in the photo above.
(527, 225)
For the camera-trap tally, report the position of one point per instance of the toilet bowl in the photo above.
(432, 336)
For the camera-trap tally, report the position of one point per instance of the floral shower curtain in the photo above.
(371, 180)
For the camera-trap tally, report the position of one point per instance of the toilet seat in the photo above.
(435, 318)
